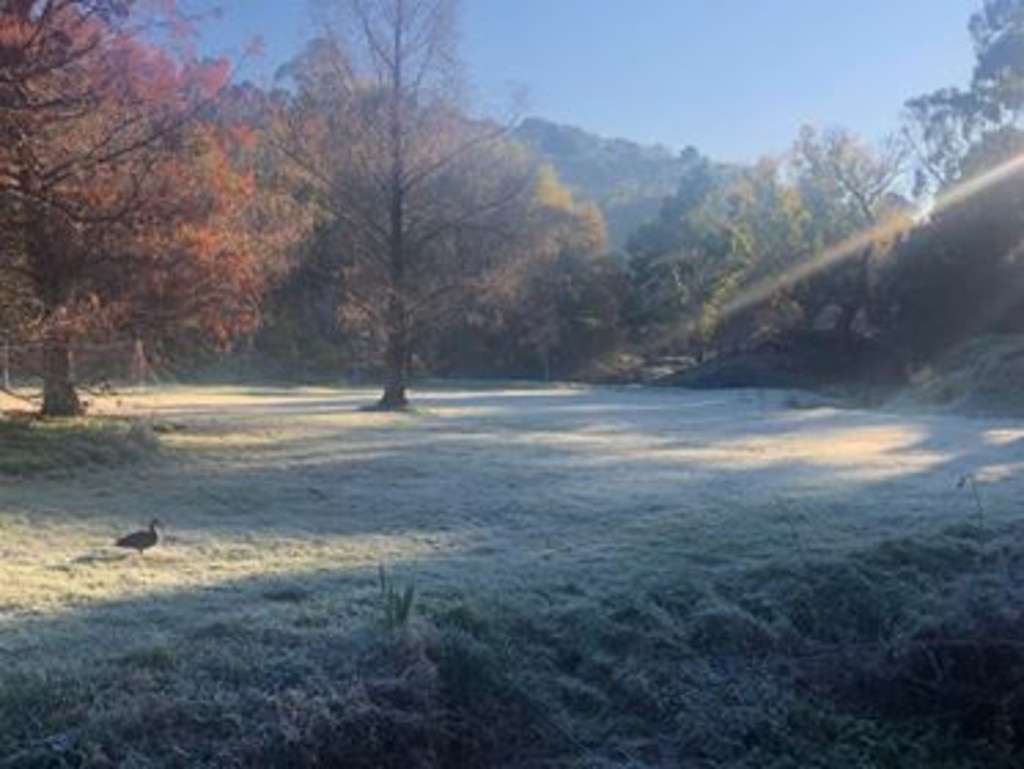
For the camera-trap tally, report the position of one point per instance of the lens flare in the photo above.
(857, 244)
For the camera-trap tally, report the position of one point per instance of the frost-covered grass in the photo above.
(602, 577)
(31, 447)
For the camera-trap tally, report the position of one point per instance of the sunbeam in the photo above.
(856, 244)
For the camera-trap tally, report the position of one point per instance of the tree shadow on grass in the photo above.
(197, 675)
(301, 668)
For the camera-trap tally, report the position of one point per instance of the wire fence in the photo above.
(95, 365)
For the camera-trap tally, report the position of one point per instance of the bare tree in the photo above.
(413, 187)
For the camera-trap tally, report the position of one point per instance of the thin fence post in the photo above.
(138, 363)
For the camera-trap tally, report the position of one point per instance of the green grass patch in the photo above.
(32, 447)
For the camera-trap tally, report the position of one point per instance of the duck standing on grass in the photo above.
(141, 540)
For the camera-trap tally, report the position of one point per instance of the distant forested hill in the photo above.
(628, 180)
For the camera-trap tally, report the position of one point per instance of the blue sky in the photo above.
(735, 78)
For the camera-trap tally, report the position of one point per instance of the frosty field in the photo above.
(636, 529)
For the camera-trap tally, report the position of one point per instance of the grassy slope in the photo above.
(982, 376)
(33, 447)
(620, 578)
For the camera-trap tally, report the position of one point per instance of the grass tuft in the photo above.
(35, 447)
(396, 603)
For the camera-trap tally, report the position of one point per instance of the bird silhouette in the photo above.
(141, 540)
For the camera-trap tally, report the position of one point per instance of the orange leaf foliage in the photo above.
(120, 193)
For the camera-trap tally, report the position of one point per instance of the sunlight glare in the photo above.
(885, 231)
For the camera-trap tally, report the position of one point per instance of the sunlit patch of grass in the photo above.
(56, 568)
(195, 441)
(31, 447)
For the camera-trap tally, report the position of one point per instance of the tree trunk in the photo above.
(60, 398)
(396, 360)
(397, 354)
(394, 398)
(860, 299)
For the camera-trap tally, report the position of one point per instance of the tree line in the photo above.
(357, 216)
(857, 259)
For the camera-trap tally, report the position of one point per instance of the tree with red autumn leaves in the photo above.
(125, 204)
